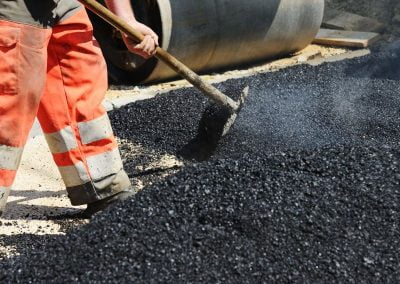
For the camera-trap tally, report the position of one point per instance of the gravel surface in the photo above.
(349, 102)
(327, 215)
(386, 11)
(305, 188)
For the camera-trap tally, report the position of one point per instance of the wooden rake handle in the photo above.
(180, 68)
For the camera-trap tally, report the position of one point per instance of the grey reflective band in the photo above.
(100, 166)
(95, 130)
(10, 157)
(4, 192)
(105, 164)
(61, 141)
(74, 175)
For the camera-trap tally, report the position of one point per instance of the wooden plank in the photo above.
(345, 38)
(341, 20)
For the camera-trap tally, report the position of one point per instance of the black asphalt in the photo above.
(305, 188)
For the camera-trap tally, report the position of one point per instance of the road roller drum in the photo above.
(213, 34)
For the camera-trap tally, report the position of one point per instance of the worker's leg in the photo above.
(76, 125)
(22, 76)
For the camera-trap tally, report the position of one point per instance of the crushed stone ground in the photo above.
(353, 101)
(328, 215)
(304, 189)
(386, 11)
(33, 210)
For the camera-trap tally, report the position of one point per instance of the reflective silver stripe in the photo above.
(4, 192)
(105, 164)
(61, 141)
(10, 157)
(74, 175)
(95, 130)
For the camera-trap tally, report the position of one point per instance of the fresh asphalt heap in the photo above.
(305, 188)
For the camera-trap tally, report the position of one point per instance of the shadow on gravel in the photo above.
(19, 209)
(305, 188)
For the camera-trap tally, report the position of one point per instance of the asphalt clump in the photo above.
(305, 188)
(326, 215)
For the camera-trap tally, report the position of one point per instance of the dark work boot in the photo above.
(93, 208)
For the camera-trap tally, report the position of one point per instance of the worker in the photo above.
(52, 67)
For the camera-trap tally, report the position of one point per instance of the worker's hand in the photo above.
(147, 48)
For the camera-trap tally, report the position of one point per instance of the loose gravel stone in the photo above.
(330, 215)
(298, 108)
(305, 188)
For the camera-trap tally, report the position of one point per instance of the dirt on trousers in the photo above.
(305, 188)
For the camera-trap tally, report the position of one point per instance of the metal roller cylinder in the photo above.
(218, 34)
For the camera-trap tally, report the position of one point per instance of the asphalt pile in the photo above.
(353, 102)
(327, 215)
(381, 65)
(305, 188)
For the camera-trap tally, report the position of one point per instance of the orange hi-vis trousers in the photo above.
(59, 75)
